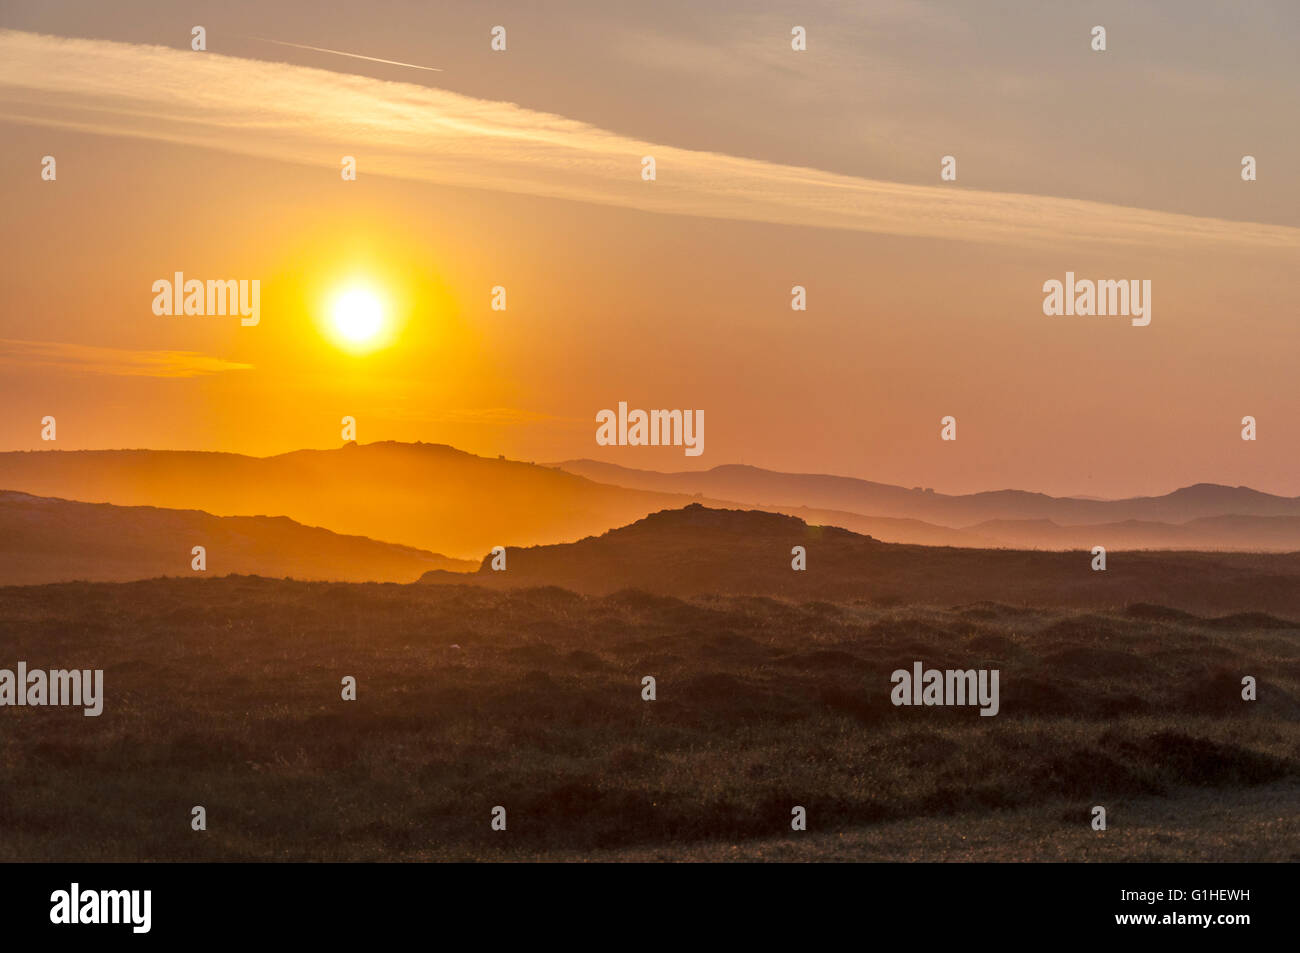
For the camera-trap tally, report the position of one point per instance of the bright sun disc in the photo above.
(358, 315)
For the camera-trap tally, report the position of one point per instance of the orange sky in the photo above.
(676, 297)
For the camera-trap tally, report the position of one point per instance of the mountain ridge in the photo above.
(958, 511)
(47, 539)
(438, 498)
(697, 551)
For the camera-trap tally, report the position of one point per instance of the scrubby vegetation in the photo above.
(226, 693)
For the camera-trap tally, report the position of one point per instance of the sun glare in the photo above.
(357, 317)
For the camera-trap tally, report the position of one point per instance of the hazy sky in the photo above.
(522, 169)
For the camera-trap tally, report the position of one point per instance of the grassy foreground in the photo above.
(226, 693)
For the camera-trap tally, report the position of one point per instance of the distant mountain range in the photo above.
(1241, 533)
(425, 495)
(438, 499)
(1204, 516)
(50, 540)
(753, 485)
(697, 551)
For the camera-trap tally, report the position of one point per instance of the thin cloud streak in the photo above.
(306, 115)
(355, 56)
(113, 361)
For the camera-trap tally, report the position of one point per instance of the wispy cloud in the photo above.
(119, 362)
(297, 114)
(355, 56)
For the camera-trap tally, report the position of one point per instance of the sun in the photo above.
(360, 311)
(357, 315)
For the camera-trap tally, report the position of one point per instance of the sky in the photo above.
(774, 168)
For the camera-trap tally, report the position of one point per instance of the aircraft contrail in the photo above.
(355, 56)
(422, 133)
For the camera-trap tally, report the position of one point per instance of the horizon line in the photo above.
(559, 465)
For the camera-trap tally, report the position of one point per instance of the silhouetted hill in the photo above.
(438, 498)
(425, 495)
(697, 550)
(888, 528)
(752, 485)
(50, 540)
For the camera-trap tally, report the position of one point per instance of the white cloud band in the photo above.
(304, 115)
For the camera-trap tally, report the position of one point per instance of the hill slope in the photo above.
(697, 550)
(50, 540)
(1266, 533)
(438, 498)
(424, 495)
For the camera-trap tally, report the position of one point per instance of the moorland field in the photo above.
(225, 692)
